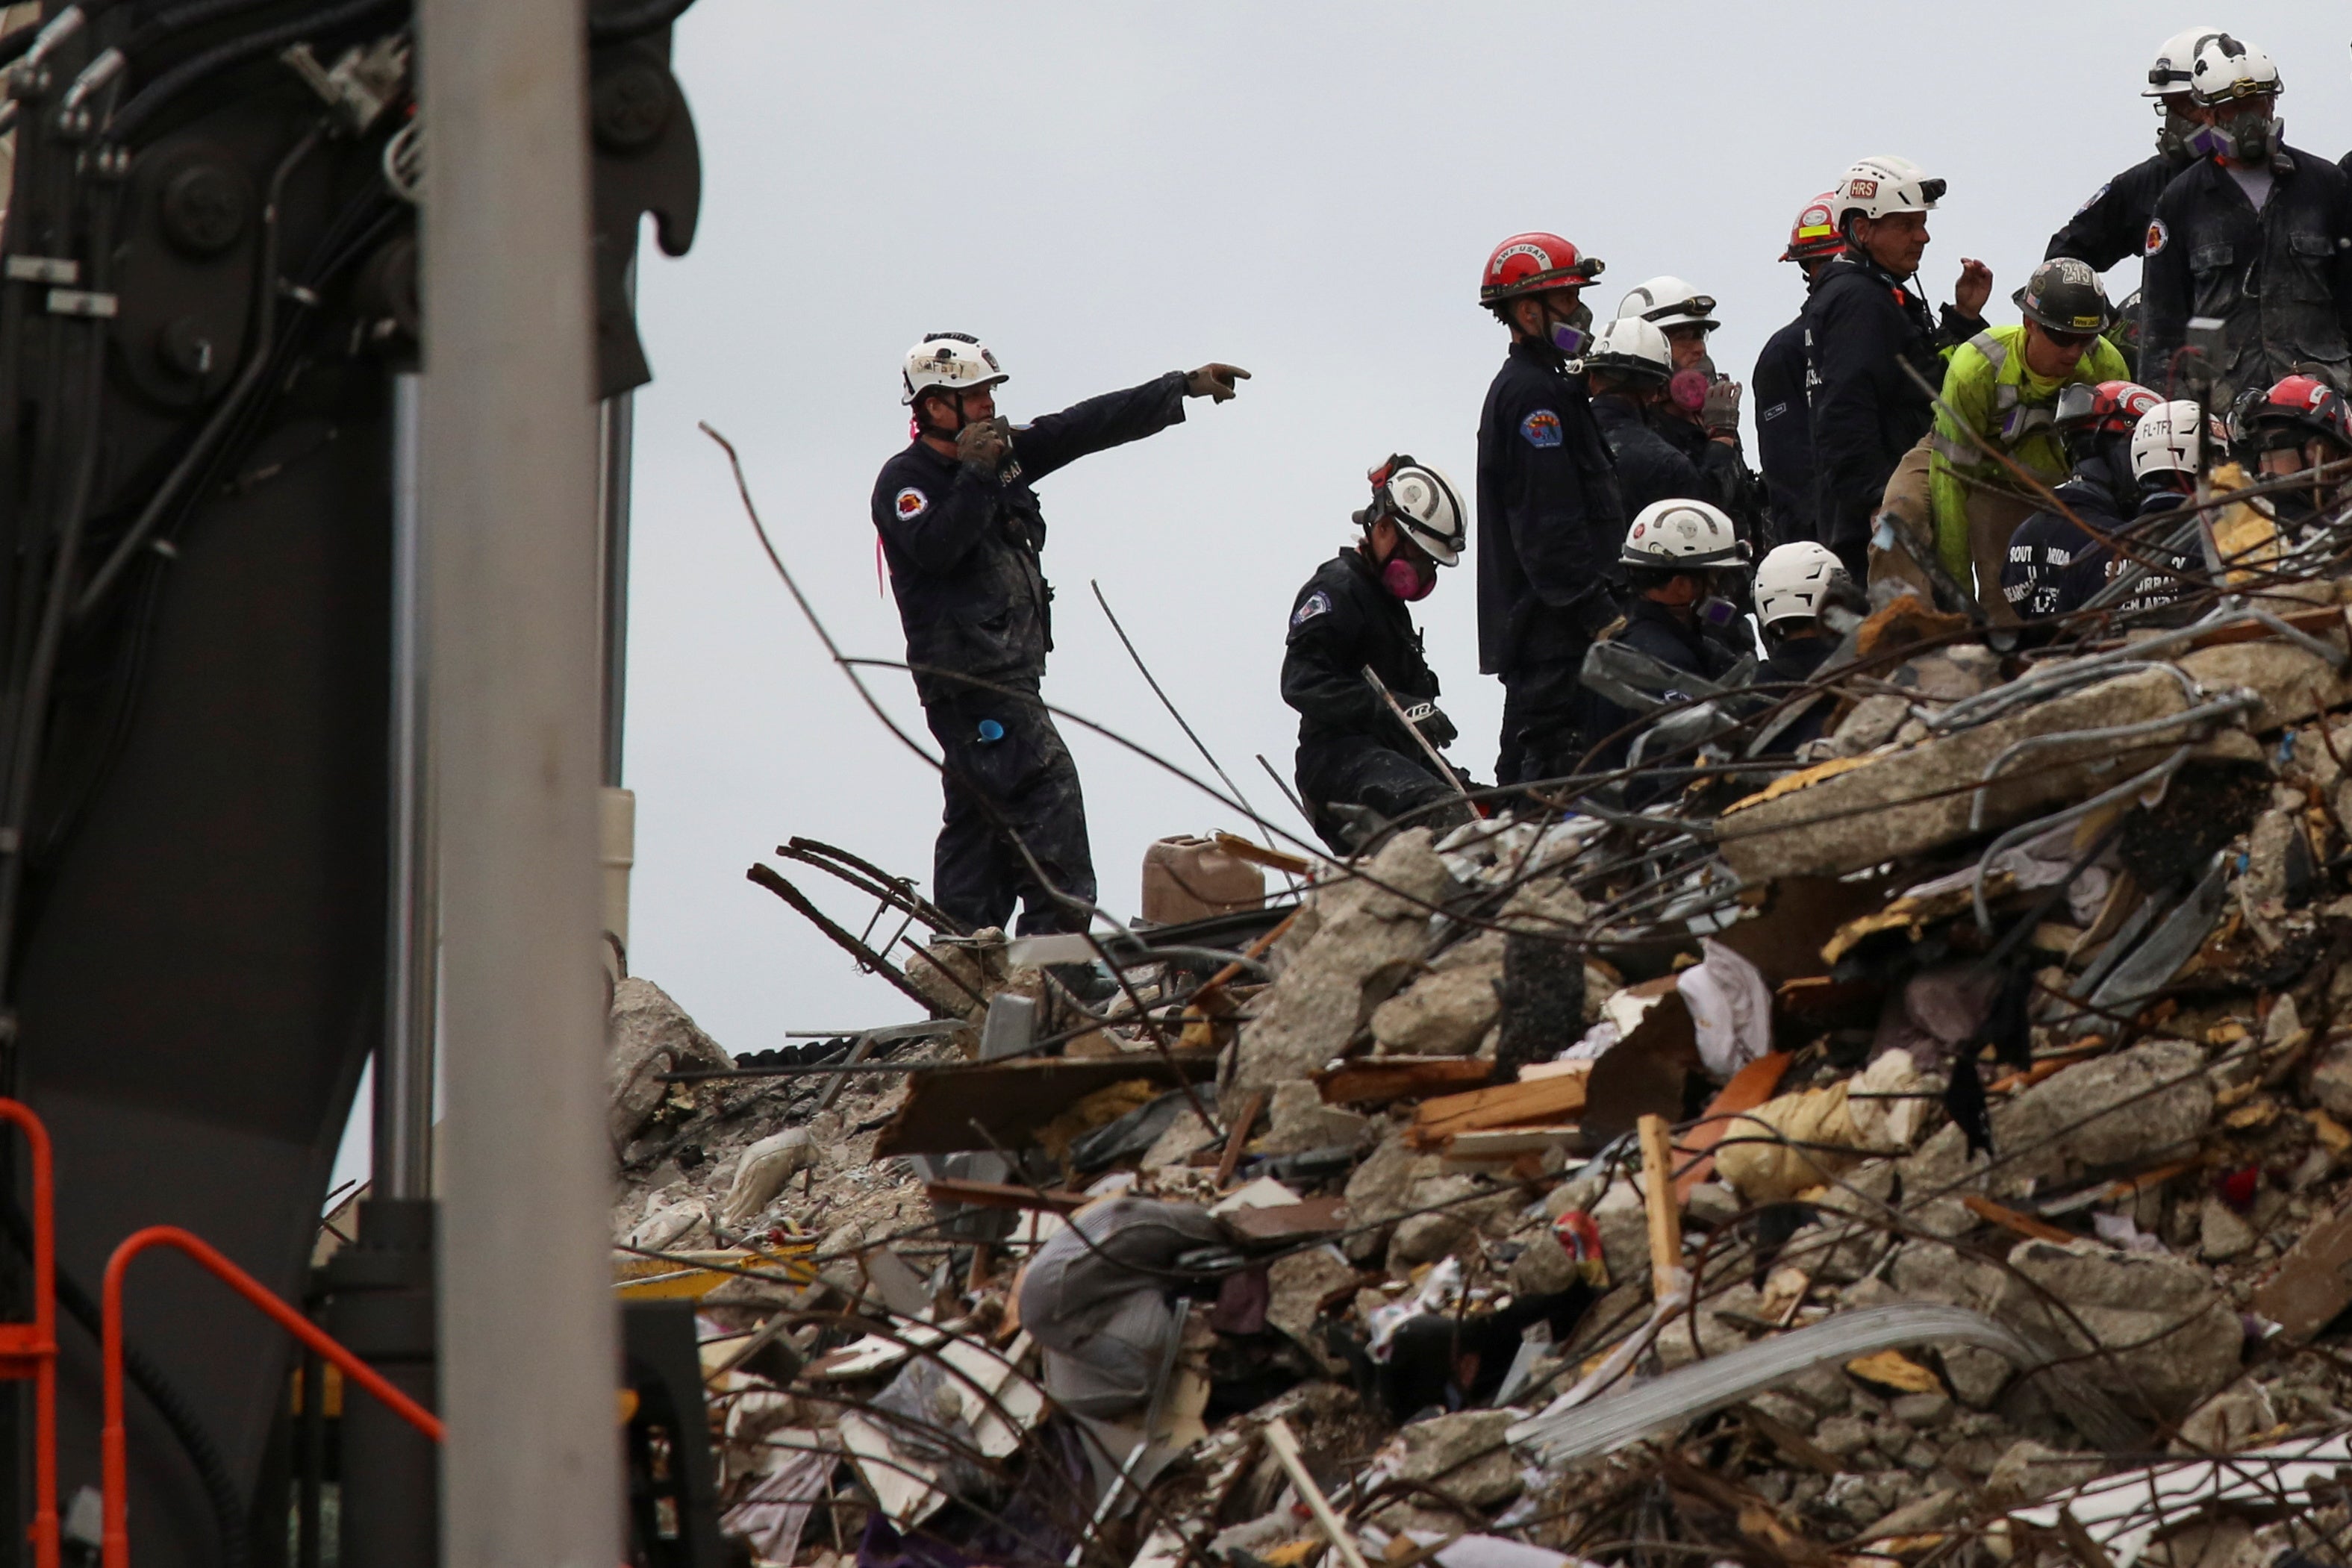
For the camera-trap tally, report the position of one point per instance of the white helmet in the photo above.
(1669, 302)
(2167, 441)
(956, 361)
(2169, 74)
(1630, 346)
(1791, 579)
(1878, 186)
(2226, 69)
(1674, 535)
(1424, 502)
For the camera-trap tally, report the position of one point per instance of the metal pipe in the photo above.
(532, 1465)
(615, 439)
(403, 1060)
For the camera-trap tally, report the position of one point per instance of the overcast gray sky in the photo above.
(1104, 192)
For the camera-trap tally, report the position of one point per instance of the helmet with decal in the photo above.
(1814, 235)
(2171, 439)
(1876, 187)
(1666, 302)
(952, 361)
(1423, 503)
(2290, 411)
(1679, 535)
(1532, 262)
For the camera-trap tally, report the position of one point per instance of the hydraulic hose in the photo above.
(151, 99)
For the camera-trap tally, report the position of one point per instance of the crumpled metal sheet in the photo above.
(1561, 1436)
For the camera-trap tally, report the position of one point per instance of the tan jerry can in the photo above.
(1185, 878)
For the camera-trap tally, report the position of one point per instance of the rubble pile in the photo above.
(1936, 1148)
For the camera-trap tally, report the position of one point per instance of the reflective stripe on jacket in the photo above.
(1984, 385)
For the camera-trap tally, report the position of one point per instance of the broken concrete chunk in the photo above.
(2221, 1234)
(1299, 1283)
(1301, 1121)
(1914, 800)
(649, 1035)
(2029, 1470)
(2132, 1109)
(2331, 1078)
(1441, 1014)
(1368, 939)
(1463, 1455)
(2169, 1333)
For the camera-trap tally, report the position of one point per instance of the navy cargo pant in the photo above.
(1359, 772)
(1008, 773)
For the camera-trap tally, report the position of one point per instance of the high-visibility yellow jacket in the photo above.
(1986, 385)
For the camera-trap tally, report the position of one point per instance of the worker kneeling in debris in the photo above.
(2001, 391)
(961, 532)
(1676, 616)
(2136, 460)
(1360, 764)
(2301, 425)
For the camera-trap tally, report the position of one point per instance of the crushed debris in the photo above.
(1996, 1206)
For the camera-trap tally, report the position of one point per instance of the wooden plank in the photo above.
(1242, 848)
(1237, 1139)
(1502, 1143)
(1658, 1198)
(2007, 1218)
(1541, 1103)
(1003, 1194)
(1750, 1087)
(1376, 1080)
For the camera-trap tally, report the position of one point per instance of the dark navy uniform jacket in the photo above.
(1863, 326)
(962, 546)
(1784, 434)
(1549, 519)
(2054, 566)
(2281, 279)
(1649, 468)
(2113, 223)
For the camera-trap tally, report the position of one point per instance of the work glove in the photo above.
(1720, 411)
(1216, 381)
(983, 443)
(1431, 721)
(1597, 615)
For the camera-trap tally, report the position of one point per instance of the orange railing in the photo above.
(30, 1349)
(115, 1474)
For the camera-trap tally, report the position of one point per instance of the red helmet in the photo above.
(2110, 408)
(2297, 406)
(1530, 263)
(1814, 235)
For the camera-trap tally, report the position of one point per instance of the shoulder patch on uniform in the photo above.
(910, 504)
(1316, 603)
(1541, 428)
(2157, 235)
(2094, 201)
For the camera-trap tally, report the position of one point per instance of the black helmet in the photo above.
(2064, 296)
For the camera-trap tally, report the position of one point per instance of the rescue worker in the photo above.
(1865, 326)
(962, 533)
(2257, 233)
(1671, 558)
(1699, 416)
(1626, 370)
(2113, 223)
(2058, 562)
(1784, 435)
(2299, 425)
(1548, 514)
(1999, 388)
(1794, 584)
(1353, 752)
